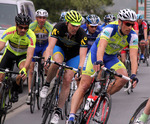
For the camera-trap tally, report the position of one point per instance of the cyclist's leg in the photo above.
(83, 86)
(142, 47)
(58, 56)
(113, 63)
(145, 113)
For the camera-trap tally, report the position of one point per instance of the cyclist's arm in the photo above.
(133, 59)
(30, 52)
(145, 34)
(101, 49)
(83, 52)
(2, 45)
(49, 50)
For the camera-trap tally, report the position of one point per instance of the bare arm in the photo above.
(30, 52)
(2, 45)
(145, 34)
(83, 52)
(49, 50)
(100, 53)
(133, 59)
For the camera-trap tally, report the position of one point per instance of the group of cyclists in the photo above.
(82, 43)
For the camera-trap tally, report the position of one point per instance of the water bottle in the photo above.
(89, 102)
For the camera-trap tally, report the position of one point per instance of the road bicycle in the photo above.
(138, 113)
(51, 101)
(37, 83)
(5, 93)
(99, 111)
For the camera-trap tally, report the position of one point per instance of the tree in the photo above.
(55, 7)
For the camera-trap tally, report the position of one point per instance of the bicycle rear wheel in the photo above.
(33, 93)
(138, 112)
(101, 111)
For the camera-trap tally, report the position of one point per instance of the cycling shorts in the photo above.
(72, 62)
(39, 49)
(8, 59)
(110, 62)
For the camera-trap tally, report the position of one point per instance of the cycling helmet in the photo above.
(62, 17)
(41, 12)
(127, 15)
(139, 16)
(93, 20)
(109, 18)
(73, 17)
(22, 19)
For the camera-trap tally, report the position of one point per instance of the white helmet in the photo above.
(127, 15)
(41, 12)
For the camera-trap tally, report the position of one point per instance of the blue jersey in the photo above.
(102, 26)
(91, 37)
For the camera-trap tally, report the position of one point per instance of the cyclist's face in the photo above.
(22, 29)
(41, 20)
(126, 26)
(92, 29)
(72, 29)
(139, 21)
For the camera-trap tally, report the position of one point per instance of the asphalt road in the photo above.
(123, 105)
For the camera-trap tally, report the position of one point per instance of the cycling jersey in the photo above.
(91, 37)
(103, 26)
(116, 42)
(18, 44)
(71, 45)
(136, 26)
(141, 30)
(43, 33)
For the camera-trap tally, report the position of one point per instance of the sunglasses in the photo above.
(92, 26)
(128, 24)
(21, 27)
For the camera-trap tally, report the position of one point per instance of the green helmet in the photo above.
(73, 17)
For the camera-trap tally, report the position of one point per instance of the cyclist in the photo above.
(144, 116)
(123, 52)
(92, 28)
(114, 37)
(21, 45)
(142, 34)
(42, 30)
(107, 19)
(68, 43)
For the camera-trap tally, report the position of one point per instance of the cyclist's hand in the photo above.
(97, 65)
(78, 74)
(23, 73)
(134, 80)
(47, 63)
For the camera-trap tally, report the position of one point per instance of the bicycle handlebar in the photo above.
(63, 65)
(8, 71)
(114, 73)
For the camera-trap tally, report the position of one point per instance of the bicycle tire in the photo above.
(40, 85)
(47, 106)
(101, 111)
(33, 94)
(138, 112)
(2, 107)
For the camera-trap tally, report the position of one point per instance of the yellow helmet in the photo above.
(73, 17)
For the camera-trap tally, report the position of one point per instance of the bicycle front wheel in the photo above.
(101, 111)
(138, 113)
(33, 94)
(3, 108)
(40, 85)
